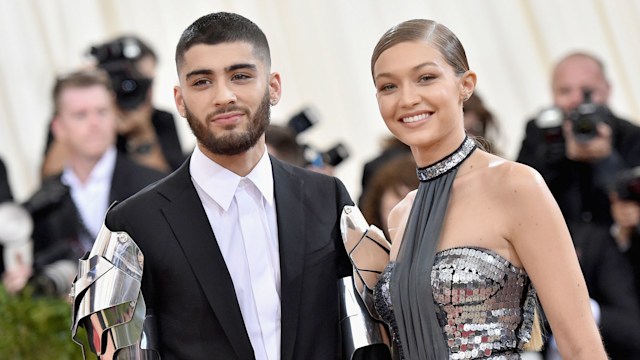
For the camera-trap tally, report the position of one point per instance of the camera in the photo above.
(304, 120)
(118, 58)
(332, 157)
(586, 117)
(627, 184)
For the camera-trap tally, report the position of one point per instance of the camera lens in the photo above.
(128, 85)
(586, 124)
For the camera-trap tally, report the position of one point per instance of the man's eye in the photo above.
(201, 82)
(240, 77)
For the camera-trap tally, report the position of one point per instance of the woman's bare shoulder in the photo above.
(506, 176)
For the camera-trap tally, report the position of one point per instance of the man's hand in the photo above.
(626, 215)
(16, 278)
(590, 151)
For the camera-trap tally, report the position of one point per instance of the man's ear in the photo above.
(57, 128)
(177, 97)
(275, 88)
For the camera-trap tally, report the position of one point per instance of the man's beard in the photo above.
(233, 143)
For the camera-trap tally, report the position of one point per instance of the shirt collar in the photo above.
(102, 171)
(220, 183)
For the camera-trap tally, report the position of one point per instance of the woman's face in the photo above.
(419, 94)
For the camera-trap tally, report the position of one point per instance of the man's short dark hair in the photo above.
(223, 27)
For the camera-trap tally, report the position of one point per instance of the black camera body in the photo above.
(586, 117)
(304, 120)
(627, 184)
(118, 59)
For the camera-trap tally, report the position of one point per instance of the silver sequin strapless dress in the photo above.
(485, 305)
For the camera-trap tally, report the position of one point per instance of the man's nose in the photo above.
(224, 95)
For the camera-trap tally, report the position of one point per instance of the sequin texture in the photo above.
(449, 162)
(485, 304)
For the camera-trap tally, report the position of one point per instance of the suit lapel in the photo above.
(291, 219)
(118, 181)
(191, 227)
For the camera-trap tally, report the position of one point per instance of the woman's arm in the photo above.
(539, 234)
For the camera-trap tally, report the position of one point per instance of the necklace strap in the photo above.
(449, 162)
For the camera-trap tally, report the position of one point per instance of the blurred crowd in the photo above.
(106, 141)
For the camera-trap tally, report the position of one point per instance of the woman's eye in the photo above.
(425, 78)
(386, 87)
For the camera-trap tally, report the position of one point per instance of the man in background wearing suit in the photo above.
(69, 208)
(242, 252)
(5, 188)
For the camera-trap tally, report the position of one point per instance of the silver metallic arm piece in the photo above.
(368, 250)
(363, 338)
(108, 302)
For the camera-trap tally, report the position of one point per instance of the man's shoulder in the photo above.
(155, 193)
(313, 182)
(125, 164)
(300, 173)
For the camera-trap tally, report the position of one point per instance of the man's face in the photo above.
(86, 121)
(574, 75)
(224, 93)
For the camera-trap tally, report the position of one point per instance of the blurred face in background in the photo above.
(572, 76)
(134, 120)
(86, 121)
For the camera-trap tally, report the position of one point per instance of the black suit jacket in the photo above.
(610, 281)
(5, 195)
(56, 221)
(5, 189)
(186, 283)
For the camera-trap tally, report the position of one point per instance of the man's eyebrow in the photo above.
(241, 66)
(199, 72)
(227, 69)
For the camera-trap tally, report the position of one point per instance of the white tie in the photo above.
(256, 237)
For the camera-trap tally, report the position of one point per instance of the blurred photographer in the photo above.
(69, 208)
(579, 145)
(625, 209)
(282, 142)
(146, 134)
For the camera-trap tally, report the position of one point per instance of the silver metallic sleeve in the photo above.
(363, 338)
(108, 302)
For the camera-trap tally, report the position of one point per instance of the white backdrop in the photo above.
(322, 49)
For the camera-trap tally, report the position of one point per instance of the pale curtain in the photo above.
(322, 49)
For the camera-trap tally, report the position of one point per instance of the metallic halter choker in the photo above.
(449, 162)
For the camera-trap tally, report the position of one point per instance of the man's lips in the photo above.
(227, 118)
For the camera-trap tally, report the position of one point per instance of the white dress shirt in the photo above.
(248, 241)
(92, 197)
